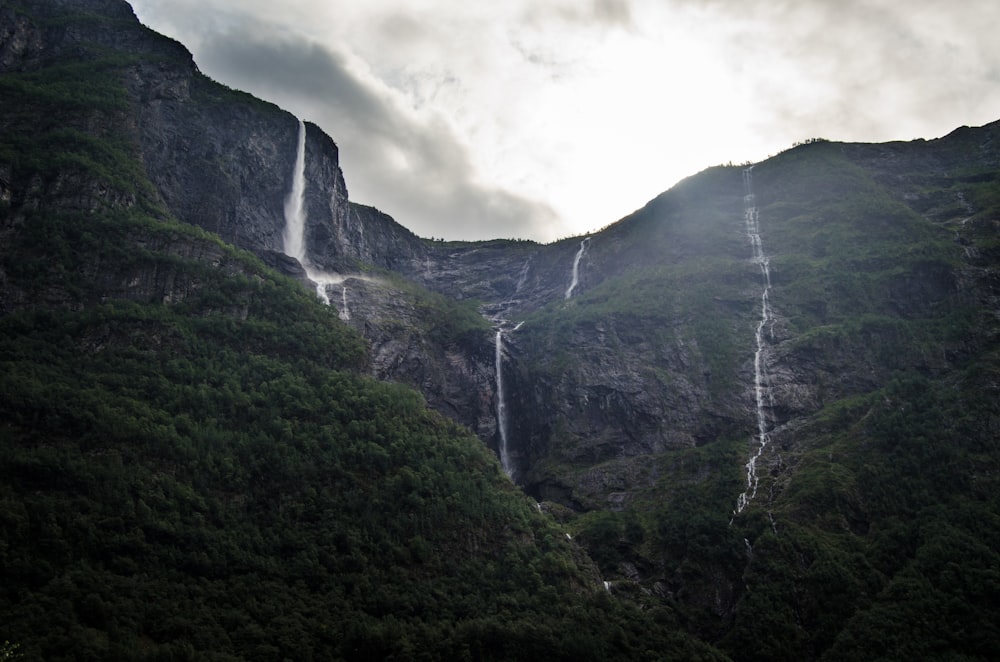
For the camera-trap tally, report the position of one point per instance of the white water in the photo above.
(295, 214)
(295, 219)
(523, 277)
(502, 408)
(345, 314)
(968, 208)
(294, 233)
(576, 267)
(751, 218)
(321, 290)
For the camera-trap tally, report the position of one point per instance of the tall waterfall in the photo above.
(295, 214)
(295, 225)
(295, 218)
(502, 408)
(576, 267)
(762, 438)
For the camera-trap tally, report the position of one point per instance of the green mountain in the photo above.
(756, 419)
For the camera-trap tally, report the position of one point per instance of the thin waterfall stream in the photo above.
(345, 314)
(761, 390)
(505, 461)
(575, 280)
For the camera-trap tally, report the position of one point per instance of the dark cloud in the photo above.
(412, 168)
(298, 68)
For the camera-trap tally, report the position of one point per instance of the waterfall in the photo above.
(522, 277)
(295, 225)
(502, 408)
(762, 438)
(295, 219)
(576, 267)
(295, 214)
(321, 291)
(344, 313)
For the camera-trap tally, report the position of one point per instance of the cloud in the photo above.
(864, 69)
(411, 166)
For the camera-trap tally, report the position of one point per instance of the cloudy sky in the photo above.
(541, 119)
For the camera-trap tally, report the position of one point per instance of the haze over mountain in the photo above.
(245, 416)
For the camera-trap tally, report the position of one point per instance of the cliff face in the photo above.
(72, 139)
(217, 162)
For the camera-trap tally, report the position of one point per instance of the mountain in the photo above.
(195, 461)
(759, 416)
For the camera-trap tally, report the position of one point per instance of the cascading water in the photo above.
(751, 218)
(321, 292)
(523, 276)
(502, 408)
(576, 267)
(295, 218)
(295, 225)
(344, 313)
(295, 213)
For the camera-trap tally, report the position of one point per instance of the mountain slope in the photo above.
(878, 372)
(194, 463)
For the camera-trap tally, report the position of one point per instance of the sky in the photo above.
(544, 119)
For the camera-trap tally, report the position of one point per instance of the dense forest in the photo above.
(184, 486)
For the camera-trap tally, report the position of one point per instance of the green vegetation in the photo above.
(445, 319)
(169, 489)
(210, 478)
(63, 128)
(883, 540)
(9, 651)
